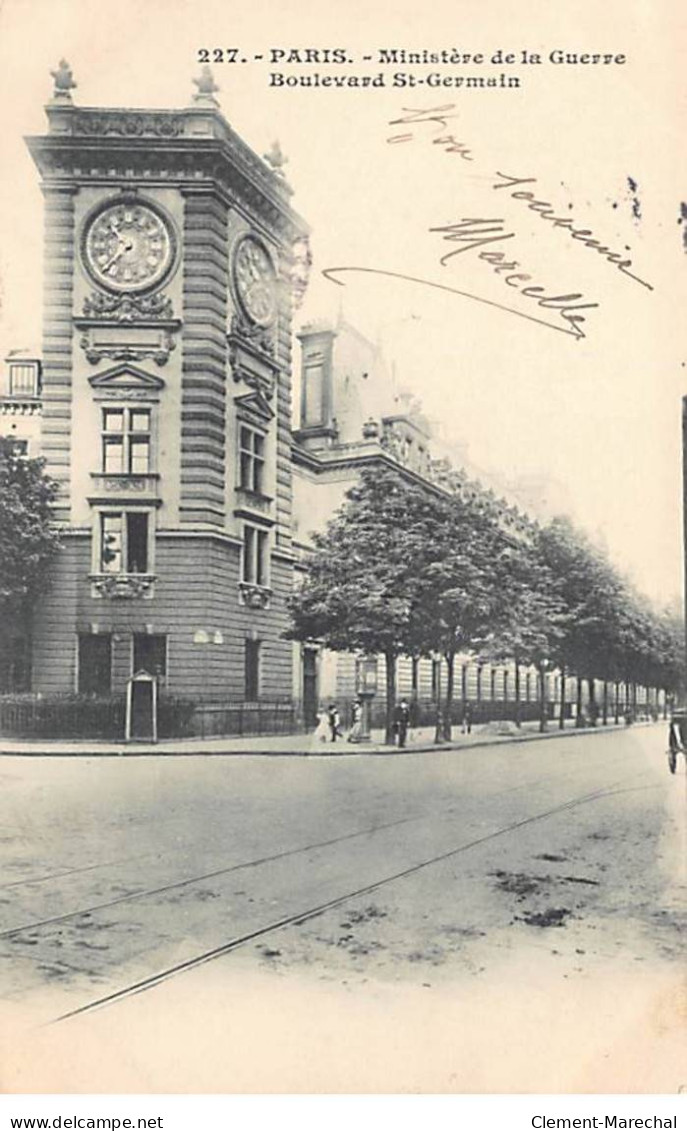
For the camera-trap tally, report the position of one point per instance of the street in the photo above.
(500, 919)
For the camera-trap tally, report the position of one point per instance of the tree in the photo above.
(533, 617)
(28, 540)
(592, 596)
(361, 581)
(463, 583)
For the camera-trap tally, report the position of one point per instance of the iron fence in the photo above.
(241, 718)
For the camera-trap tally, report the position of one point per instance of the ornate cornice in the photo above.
(123, 123)
(182, 146)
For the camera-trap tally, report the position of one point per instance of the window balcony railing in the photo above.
(248, 501)
(108, 485)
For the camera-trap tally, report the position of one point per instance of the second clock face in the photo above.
(128, 247)
(255, 281)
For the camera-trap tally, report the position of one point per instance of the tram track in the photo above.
(163, 889)
(66, 872)
(306, 914)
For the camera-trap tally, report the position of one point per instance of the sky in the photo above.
(594, 420)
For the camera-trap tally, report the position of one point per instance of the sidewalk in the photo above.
(419, 740)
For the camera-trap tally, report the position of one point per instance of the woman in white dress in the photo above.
(321, 733)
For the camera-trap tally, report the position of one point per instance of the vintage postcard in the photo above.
(341, 625)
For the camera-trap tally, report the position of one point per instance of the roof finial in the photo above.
(276, 159)
(64, 81)
(207, 88)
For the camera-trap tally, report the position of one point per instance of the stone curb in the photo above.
(133, 750)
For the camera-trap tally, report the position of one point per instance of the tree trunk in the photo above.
(463, 687)
(517, 692)
(578, 705)
(561, 720)
(616, 705)
(543, 717)
(390, 658)
(605, 704)
(448, 708)
(592, 710)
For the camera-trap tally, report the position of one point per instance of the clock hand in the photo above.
(121, 248)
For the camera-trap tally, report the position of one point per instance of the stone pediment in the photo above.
(128, 378)
(255, 404)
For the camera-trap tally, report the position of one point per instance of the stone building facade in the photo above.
(166, 401)
(352, 416)
(161, 401)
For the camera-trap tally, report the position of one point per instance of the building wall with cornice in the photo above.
(166, 399)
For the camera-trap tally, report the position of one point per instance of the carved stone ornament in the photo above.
(158, 351)
(299, 273)
(125, 484)
(93, 123)
(206, 87)
(123, 586)
(371, 429)
(128, 308)
(254, 596)
(127, 327)
(64, 81)
(259, 337)
(276, 159)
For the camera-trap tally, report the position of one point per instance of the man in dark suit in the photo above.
(401, 721)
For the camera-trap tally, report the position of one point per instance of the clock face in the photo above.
(255, 282)
(128, 247)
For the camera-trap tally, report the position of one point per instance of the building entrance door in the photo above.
(310, 694)
(141, 707)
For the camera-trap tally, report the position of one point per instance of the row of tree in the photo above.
(404, 570)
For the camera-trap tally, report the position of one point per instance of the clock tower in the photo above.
(171, 251)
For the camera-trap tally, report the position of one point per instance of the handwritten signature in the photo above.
(475, 234)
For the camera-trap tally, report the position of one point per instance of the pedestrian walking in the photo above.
(357, 722)
(321, 733)
(467, 719)
(402, 721)
(334, 722)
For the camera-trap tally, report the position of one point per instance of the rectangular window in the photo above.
(252, 670)
(95, 664)
(124, 542)
(126, 441)
(150, 654)
(255, 556)
(24, 380)
(251, 459)
(313, 395)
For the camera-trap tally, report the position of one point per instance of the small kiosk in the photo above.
(141, 708)
(366, 689)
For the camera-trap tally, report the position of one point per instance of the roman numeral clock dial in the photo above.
(255, 281)
(128, 247)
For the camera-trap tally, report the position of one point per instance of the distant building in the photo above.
(20, 401)
(352, 417)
